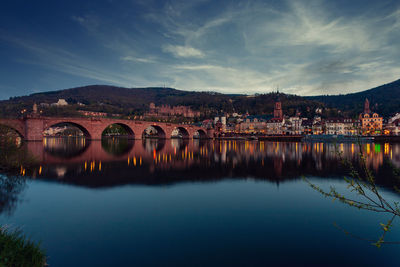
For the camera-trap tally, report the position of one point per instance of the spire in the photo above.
(278, 109)
(35, 109)
(366, 106)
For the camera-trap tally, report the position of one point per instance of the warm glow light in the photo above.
(386, 148)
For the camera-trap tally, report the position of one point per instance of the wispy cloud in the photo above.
(138, 59)
(304, 47)
(183, 51)
(62, 60)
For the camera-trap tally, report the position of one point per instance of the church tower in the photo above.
(366, 107)
(278, 109)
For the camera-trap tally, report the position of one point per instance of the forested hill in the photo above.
(384, 99)
(127, 101)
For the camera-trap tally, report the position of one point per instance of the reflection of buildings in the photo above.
(170, 160)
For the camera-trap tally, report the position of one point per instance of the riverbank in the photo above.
(314, 138)
(387, 139)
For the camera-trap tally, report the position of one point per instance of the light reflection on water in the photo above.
(127, 202)
(68, 158)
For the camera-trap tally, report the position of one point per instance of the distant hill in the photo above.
(127, 101)
(384, 99)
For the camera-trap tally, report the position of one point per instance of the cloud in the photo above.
(304, 47)
(138, 59)
(62, 60)
(183, 51)
(219, 78)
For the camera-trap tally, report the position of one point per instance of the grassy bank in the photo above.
(17, 250)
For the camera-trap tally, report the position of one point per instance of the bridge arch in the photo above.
(200, 134)
(160, 131)
(128, 130)
(14, 128)
(183, 133)
(85, 131)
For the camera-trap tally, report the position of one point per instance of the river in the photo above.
(120, 202)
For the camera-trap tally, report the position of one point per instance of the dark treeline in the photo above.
(134, 101)
(384, 99)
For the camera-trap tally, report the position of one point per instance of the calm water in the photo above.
(121, 203)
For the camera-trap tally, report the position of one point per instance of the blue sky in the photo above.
(302, 47)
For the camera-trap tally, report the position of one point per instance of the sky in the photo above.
(301, 47)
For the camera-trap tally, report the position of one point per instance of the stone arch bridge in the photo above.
(31, 129)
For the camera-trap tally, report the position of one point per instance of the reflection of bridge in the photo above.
(31, 129)
(111, 161)
(95, 151)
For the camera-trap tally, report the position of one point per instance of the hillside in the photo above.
(384, 99)
(129, 101)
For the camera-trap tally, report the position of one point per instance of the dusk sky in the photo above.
(302, 47)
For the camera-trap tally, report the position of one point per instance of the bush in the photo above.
(17, 250)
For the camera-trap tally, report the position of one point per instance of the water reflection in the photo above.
(117, 146)
(118, 161)
(65, 147)
(141, 221)
(153, 144)
(11, 188)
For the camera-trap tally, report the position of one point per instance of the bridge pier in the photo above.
(34, 129)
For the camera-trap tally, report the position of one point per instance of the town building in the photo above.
(253, 124)
(371, 123)
(60, 102)
(393, 125)
(293, 125)
(307, 126)
(167, 110)
(92, 113)
(341, 126)
(317, 127)
(275, 126)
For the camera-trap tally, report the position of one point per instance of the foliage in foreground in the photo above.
(17, 250)
(363, 185)
(12, 155)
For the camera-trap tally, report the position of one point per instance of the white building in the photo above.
(341, 126)
(61, 102)
(275, 126)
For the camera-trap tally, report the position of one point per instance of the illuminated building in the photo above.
(371, 123)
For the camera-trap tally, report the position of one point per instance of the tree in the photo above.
(363, 184)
